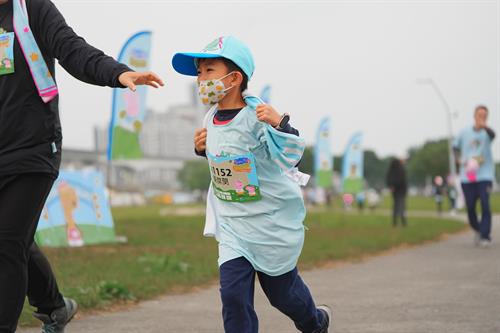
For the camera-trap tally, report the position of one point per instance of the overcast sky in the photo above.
(356, 61)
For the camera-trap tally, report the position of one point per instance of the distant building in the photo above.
(167, 143)
(170, 134)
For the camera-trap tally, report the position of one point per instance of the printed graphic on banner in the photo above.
(129, 108)
(76, 212)
(323, 159)
(234, 178)
(352, 166)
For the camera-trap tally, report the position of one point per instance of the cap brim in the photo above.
(184, 63)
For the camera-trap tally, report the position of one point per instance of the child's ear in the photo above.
(238, 78)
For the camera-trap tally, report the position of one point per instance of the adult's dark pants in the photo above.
(24, 270)
(398, 208)
(479, 191)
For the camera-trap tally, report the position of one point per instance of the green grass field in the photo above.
(167, 254)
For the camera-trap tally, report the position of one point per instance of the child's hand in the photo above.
(200, 140)
(268, 114)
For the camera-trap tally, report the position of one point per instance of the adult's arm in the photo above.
(81, 60)
(457, 147)
(389, 179)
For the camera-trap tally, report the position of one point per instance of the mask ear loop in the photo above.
(227, 89)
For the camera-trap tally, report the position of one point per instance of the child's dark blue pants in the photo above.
(286, 292)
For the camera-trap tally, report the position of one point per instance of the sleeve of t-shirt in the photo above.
(290, 130)
(491, 133)
(202, 153)
(75, 55)
(457, 142)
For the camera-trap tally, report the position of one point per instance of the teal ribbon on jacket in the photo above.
(44, 82)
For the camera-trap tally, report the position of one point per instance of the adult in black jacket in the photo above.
(397, 183)
(30, 155)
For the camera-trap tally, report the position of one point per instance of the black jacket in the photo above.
(396, 178)
(28, 127)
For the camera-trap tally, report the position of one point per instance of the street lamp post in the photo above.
(451, 156)
(449, 116)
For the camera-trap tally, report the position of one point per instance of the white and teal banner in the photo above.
(323, 159)
(353, 165)
(129, 108)
(265, 94)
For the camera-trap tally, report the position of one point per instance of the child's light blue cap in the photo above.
(222, 47)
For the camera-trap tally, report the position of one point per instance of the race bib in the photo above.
(7, 53)
(234, 178)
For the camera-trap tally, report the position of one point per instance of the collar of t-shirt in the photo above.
(223, 117)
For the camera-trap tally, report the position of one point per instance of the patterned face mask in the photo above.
(212, 92)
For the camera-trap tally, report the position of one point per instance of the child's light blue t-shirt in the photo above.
(269, 232)
(476, 145)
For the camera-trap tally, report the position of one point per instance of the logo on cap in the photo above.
(215, 45)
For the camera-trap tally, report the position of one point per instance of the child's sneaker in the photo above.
(477, 238)
(484, 243)
(59, 318)
(327, 312)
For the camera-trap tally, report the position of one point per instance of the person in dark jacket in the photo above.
(33, 33)
(397, 183)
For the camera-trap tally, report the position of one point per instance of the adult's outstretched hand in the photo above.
(133, 79)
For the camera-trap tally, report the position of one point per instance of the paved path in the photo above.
(449, 286)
